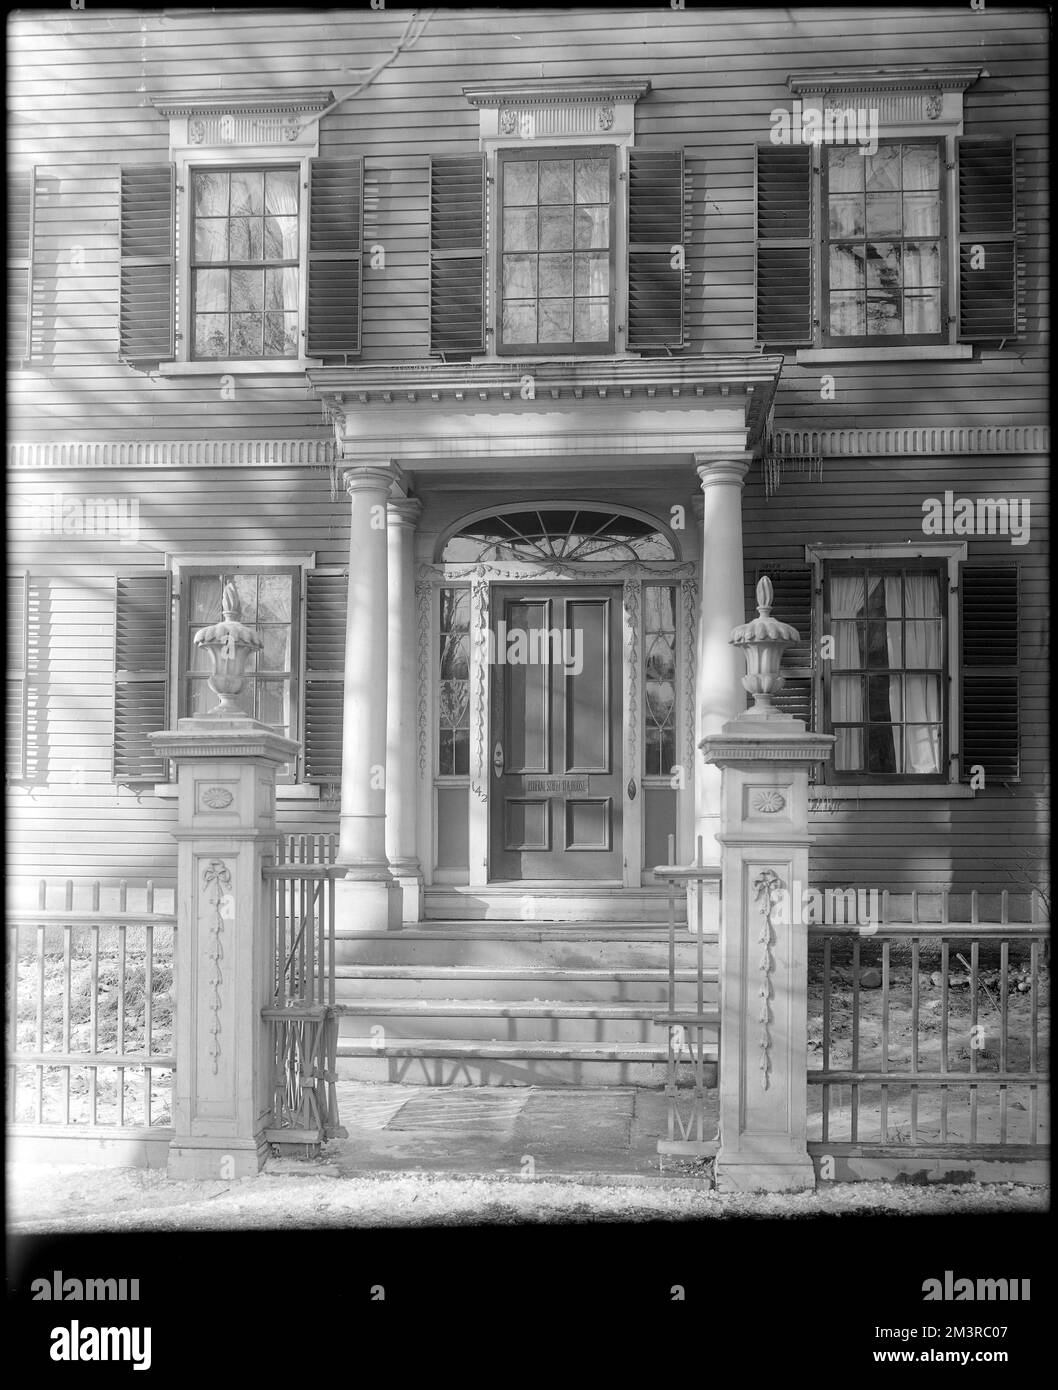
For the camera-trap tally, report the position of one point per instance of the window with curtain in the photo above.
(556, 262)
(244, 263)
(887, 677)
(885, 259)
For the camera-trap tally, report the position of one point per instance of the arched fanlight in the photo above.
(550, 533)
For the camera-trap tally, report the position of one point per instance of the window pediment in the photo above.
(904, 100)
(551, 108)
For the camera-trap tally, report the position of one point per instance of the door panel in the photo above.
(556, 706)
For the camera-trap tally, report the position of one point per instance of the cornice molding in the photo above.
(173, 453)
(270, 101)
(948, 77)
(575, 379)
(923, 442)
(537, 91)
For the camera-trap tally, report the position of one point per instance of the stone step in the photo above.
(516, 946)
(648, 986)
(543, 902)
(502, 1020)
(444, 1062)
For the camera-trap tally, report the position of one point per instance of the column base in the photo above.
(412, 897)
(368, 904)
(216, 1157)
(746, 1173)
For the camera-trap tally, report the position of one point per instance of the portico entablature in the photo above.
(452, 414)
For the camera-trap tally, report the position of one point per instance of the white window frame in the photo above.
(557, 114)
(953, 553)
(268, 132)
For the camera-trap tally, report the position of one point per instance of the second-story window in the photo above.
(245, 250)
(556, 251)
(885, 259)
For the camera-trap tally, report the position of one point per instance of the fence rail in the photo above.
(90, 1015)
(302, 1017)
(930, 1033)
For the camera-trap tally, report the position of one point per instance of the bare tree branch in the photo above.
(407, 40)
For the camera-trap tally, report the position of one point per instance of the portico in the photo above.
(616, 488)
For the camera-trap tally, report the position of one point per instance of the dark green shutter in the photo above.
(21, 206)
(325, 615)
(141, 686)
(656, 227)
(17, 628)
(457, 255)
(147, 314)
(793, 604)
(989, 686)
(336, 239)
(784, 245)
(988, 294)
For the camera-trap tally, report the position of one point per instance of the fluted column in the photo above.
(401, 786)
(720, 696)
(368, 897)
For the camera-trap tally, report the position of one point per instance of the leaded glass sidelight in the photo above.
(244, 262)
(885, 246)
(453, 706)
(659, 679)
(547, 534)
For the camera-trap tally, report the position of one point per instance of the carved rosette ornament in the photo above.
(196, 131)
(766, 886)
(934, 106)
(508, 121)
(767, 802)
(216, 882)
(606, 117)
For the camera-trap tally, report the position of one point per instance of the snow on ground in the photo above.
(67, 1199)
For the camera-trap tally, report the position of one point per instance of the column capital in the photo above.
(404, 511)
(730, 470)
(371, 475)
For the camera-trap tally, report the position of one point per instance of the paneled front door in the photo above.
(555, 674)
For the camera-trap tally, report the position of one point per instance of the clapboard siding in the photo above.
(68, 818)
(716, 77)
(900, 844)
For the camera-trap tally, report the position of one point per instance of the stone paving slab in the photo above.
(501, 1131)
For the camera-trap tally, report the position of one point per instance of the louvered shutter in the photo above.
(457, 255)
(141, 650)
(656, 227)
(21, 204)
(17, 628)
(784, 245)
(147, 312)
(989, 686)
(336, 238)
(792, 604)
(988, 252)
(325, 615)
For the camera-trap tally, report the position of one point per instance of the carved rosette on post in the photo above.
(229, 644)
(764, 639)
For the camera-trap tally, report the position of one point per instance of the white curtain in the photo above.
(847, 593)
(924, 648)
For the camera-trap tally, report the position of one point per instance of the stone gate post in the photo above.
(764, 757)
(226, 786)
(222, 1097)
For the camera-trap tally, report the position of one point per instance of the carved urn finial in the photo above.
(229, 644)
(764, 639)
